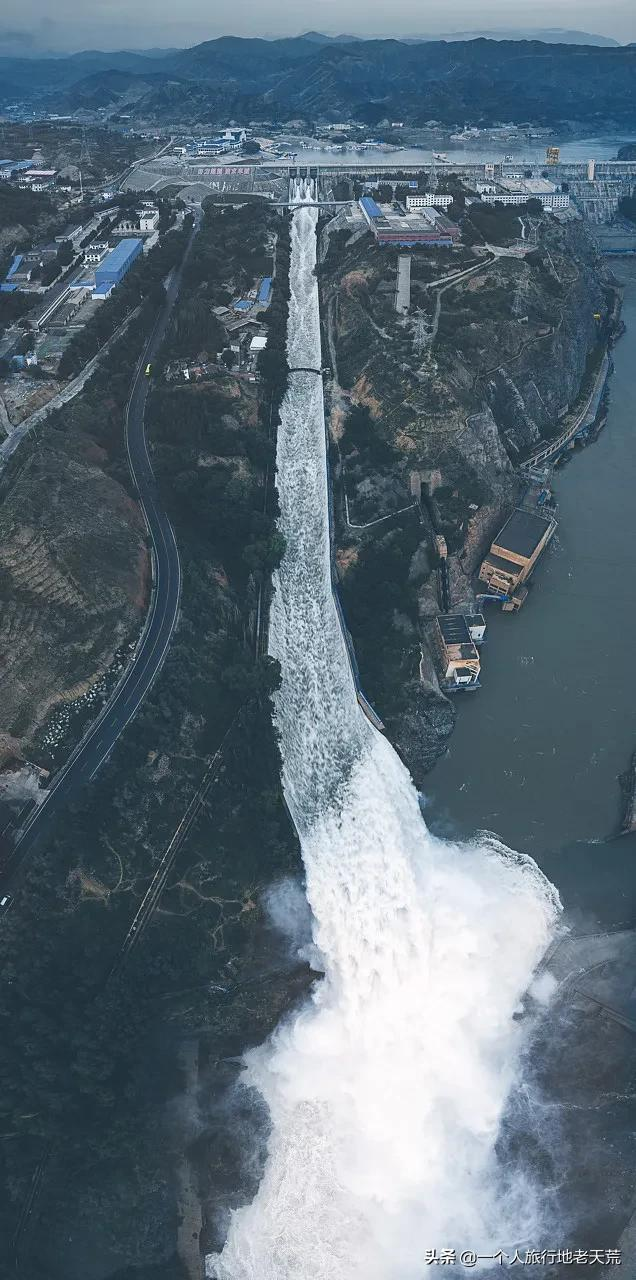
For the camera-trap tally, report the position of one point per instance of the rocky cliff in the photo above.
(430, 412)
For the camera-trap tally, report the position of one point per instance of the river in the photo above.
(537, 752)
(522, 150)
(386, 1091)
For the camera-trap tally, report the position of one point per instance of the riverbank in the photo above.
(539, 754)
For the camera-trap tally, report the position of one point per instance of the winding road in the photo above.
(160, 624)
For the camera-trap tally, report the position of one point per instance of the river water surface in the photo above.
(537, 752)
(521, 149)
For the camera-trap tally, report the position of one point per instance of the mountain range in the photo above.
(345, 78)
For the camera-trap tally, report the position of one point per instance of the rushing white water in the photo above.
(387, 1091)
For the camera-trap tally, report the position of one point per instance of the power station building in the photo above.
(514, 553)
(114, 267)
(391, 224)
(457, 653)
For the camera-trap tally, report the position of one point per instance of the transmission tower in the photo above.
(421, 332)
(85, 153)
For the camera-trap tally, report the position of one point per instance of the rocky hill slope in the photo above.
(74, 579)
(441, 404)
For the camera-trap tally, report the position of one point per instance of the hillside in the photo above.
(481, 80)
(443, 403)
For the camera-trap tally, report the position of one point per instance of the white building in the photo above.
(149, 220)
(515, 191)
(95, 252)
(430, 199)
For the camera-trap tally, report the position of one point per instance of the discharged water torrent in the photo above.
(386, 1092)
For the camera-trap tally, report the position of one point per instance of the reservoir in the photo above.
(522, 149)
(537, 753)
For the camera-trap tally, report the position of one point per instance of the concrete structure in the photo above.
(391, 225)
(113, 269)
(515, 552)
(430, 199)
(259, 342)
(457, 653)
(403, 286)
(149, 220)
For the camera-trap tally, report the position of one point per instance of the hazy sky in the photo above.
(114, 24)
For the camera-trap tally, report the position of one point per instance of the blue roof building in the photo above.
(114, 267)
(14, 266)
(370, 207)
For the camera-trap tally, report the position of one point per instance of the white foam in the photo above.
(387, 1091)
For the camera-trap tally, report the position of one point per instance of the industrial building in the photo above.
(513, 555)
(392, 224)
(457, 652)
(9, 167)
(515, 191)
(430, 199)
(264, 291)
(113, 269)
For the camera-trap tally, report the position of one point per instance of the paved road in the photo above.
(153, 645)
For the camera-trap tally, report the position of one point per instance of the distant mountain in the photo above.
(318, 38)
(548, 35)
(477, 80)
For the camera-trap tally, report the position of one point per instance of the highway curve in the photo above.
(161, 620)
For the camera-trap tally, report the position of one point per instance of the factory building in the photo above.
(514, 553)
(457, 653)
(264, 291)
(391, 224)
(515, 191)
(10, 167)
(113, 269)
(430, 199)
